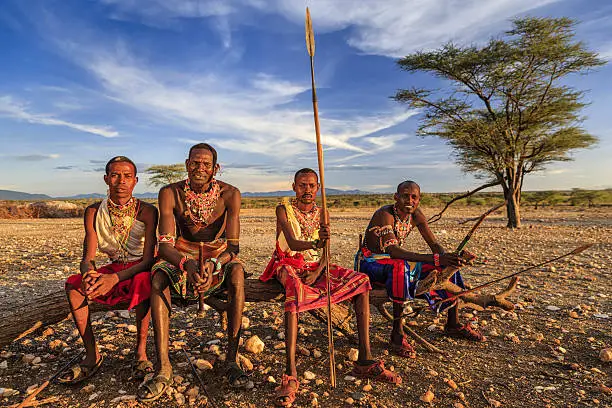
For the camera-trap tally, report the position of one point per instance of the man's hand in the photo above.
(88, 279)
(468, 257)
(311, 277)
(103, 284)
(199, 282)
(324, 235)
(451, 259)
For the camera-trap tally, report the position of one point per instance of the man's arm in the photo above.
(232, 227)
(90, 242)
(294, 244)
(420, 221)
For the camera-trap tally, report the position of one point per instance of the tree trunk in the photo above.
(514, 212)
(53, 308)
(512, 194)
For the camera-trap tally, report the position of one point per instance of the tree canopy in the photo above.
(509, 109)
(163, 174)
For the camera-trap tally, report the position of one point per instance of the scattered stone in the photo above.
(88, 389)
(246, 323)
(309, 375)
(193, 392)
(202, 364)
(254, 345)
(353, 355)
(28, 358)
(428, 396)
(316, 353)
(245, 363)
(125, 314)
(349, 378)
(605, 355)
(367, 387)
(553, 308)
(349, 401)
(4, 365)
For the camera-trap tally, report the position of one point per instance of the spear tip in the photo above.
(310, 44)
(581, 248)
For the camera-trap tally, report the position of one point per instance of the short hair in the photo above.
(204, 146)
(120, 159)
(305, 170)
(407, 183)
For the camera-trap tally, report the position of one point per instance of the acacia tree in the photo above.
(508, 110)
(163, 174)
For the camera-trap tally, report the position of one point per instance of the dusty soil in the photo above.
(546, 352)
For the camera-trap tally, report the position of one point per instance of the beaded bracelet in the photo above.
(216, 262)
(436, 259)
(182, 263)
(166, 239)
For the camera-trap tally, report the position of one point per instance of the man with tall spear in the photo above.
(301, 264)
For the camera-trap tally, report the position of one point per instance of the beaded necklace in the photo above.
(309, 220)
(401, 228)
(122, 220)
(200, 206)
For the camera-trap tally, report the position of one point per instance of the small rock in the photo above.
(193, 392)
(309, 375)
(202, 364)
(316, 353)
(428, 396)
(180, 398)
(358, 396)
(3, 365)
(271, 379)
(246, 323)
(124, 314)
(349, 378)
(553, 308)
(48, 332)
(367, 387)
(349, 401)
(88, 389)
(93, 396)
(132, 328)
(28, 358)
(245, 363)
(254, 345)
(353, 355)
(8, 392)
(605, 355)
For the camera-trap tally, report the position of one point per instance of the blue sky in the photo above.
(84, 80)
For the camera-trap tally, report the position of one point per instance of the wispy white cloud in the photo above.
(19, 111)
(37, 157)
(392, 27)
(256, 115)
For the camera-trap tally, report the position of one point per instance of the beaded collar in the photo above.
(200, 206)
(122, 220)
(309, 220)
(401, 228)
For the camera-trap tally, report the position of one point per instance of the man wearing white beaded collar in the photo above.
(197, 214)
(122, 227)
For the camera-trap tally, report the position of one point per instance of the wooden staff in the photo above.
(310, 45)
(201, 271)
(480, 220)
(26, 402)
(484, 285)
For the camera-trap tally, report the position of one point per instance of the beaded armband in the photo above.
(388, 243)
(380, 231)
(166, 239)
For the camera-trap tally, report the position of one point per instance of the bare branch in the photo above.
(438, 216)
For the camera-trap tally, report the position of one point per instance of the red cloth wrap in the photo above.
(299, 297)
(134, 290)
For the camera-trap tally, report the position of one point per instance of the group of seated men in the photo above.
(197, 242)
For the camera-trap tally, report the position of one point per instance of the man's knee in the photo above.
(159, 281)
(236, 276)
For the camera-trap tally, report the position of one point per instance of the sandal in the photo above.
(235, 376)
(403, 350)
(140, 369)
(466, 332)
(80, 372)
(154, 388)
(377, 372)
(285, 394)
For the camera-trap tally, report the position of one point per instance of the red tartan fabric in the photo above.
(345, 283)
(134, 291)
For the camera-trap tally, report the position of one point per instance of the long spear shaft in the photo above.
(476, 225)
(310, 45)
(484, 285)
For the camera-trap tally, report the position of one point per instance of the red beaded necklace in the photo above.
(201, 206)
(401, 228)
(309, 220)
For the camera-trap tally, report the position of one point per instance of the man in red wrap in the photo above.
(122, 227)
(297, 265)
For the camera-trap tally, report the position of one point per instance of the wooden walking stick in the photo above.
(310, 45)
(201, 267)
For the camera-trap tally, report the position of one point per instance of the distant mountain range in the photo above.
(17, 195)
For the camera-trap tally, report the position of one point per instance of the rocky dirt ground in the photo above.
(547, 352)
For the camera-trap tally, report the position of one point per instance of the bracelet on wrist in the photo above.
(436, 258)
(216, 262)
(182, 263)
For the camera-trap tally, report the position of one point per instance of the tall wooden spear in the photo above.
(310, 45)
